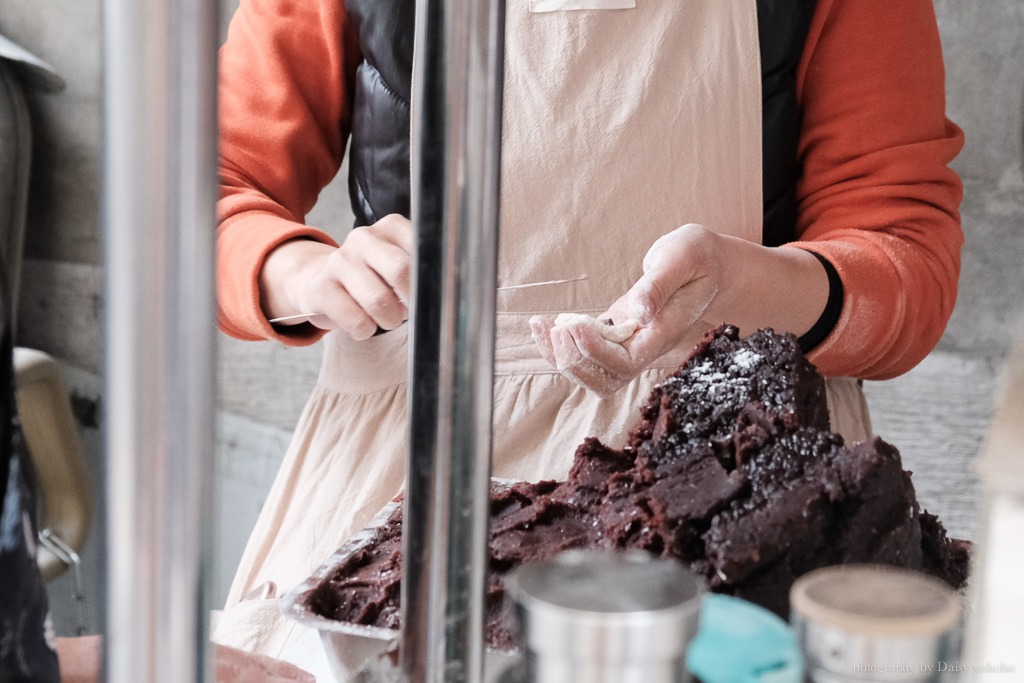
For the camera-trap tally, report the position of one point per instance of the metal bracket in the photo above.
(66, 554)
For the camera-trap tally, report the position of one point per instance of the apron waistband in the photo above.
(381, 362)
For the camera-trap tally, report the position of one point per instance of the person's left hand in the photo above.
(684, 276)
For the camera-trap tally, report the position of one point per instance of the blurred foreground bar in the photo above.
(159, 189)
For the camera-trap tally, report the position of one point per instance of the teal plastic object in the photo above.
(739, 642)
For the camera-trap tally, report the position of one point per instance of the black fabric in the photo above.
(378, 180)
(379, 156)
(833, 308)
(25, 653)
(782, 31)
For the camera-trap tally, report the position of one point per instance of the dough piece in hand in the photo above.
(613, 332)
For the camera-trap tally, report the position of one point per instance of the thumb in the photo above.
(672, 262)
(650, 294)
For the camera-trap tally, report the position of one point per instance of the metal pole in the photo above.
(159, 191)
(456, 132)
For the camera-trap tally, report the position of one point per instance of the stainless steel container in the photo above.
(600, 617)
(872, 623)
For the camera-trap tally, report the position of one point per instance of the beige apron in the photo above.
(620, 125)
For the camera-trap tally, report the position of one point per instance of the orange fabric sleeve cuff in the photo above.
(860, 344)
(242, 246)
(844, 342)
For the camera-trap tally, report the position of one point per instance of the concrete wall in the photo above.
(263, 386)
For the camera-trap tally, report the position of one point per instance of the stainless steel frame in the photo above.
(158, 209)
(456, 124)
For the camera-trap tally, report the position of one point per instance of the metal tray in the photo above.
(349, 646)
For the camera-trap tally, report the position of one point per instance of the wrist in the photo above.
(284, 270)
(784, 288)
(733, 263)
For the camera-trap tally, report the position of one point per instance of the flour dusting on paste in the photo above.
(612, 331)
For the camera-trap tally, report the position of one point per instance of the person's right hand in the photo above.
(358, 287)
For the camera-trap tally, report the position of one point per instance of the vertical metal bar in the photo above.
(456, 127)
(158, 206)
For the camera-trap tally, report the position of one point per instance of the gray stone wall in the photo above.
(936, 414)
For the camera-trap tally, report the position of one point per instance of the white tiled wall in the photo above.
(249, 454)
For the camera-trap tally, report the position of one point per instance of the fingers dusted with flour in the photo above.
(692, 278)
(605, 354)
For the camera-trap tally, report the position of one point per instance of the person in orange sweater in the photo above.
(673, 164)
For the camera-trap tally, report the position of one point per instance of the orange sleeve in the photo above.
(877, 197)
(286, 78)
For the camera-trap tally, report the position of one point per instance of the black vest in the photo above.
(379, 156)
